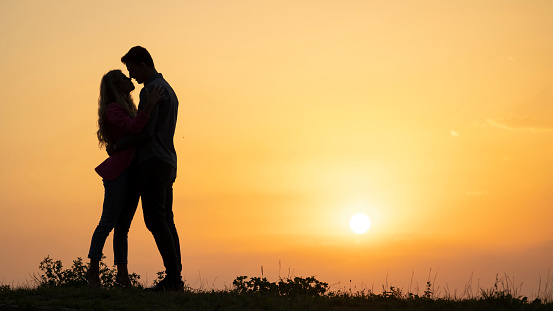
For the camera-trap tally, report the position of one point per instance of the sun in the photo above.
(359, 223)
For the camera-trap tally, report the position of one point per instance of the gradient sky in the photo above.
(435, 118)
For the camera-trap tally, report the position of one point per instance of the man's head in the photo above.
(139, 64)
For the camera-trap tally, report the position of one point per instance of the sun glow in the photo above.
(360, 223)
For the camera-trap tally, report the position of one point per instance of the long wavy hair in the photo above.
(110, 92)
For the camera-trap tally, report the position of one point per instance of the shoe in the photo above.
(93, 278)
(167, 285)
(123, 281)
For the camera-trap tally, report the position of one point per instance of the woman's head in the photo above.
(115, 84)
(115, 87)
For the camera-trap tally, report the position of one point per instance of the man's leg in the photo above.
(170, 217)
(154, 180)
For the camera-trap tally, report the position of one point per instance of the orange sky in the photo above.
(435, 118)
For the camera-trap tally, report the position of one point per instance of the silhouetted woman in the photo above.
(117, 117)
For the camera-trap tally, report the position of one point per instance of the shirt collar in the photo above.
(157, 75)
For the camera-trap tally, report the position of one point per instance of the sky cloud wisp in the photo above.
(518, 123)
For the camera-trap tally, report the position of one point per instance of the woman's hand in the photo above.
(152, 98)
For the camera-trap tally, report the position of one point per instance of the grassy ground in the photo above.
(84, 298)
(57, 288)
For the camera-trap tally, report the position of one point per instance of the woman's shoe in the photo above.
(93, 278)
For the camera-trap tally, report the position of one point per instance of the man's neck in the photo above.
(151, 74)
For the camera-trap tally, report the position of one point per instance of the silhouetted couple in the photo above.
(142, 163)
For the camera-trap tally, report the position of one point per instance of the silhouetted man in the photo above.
(156, 162)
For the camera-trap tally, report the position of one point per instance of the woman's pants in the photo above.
(120, 202)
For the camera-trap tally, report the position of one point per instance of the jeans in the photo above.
(156, 179)
(120, 202)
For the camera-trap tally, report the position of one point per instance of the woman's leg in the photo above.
(93, 273)
(122, 277)
(114, 198)
(120, 234)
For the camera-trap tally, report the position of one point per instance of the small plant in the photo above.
(160, 276)
(255, 284)
(502, 292)
(297, 286)
(428, 292)
(394, 293)
(309, 286)
(53, 274)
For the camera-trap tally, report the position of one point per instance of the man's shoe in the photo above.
(167, 285)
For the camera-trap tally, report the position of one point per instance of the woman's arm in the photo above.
(151, 98)
(119, 117)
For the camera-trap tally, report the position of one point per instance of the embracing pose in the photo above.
(156, 163)
(117, 117)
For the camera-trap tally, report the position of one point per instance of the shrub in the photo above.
(297, 286)
(53, 274)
